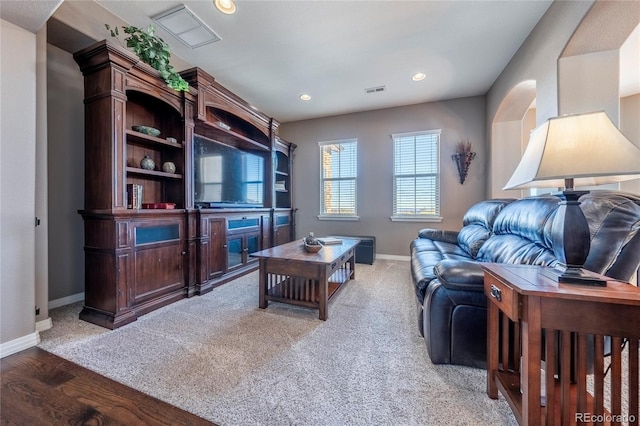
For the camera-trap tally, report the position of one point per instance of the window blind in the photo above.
(339, 169)
(416, 174)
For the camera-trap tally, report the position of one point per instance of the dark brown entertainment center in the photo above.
(137, 260)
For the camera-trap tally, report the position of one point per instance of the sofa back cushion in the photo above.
(614, 222)
(521, 233)
(478, 224)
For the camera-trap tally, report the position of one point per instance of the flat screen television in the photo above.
(225, 176)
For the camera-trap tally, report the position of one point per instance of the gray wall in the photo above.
(65, 94)
(459, 119)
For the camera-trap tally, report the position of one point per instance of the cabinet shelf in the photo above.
(153, 173)
(279, 173)
(141, 138)
(211, 131)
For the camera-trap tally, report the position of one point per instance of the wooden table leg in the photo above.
(531, 361)
(262, 286)
(352, 265)
(323, 283)
(493, 348)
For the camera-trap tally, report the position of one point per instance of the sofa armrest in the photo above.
(460, 275)
(439, 235)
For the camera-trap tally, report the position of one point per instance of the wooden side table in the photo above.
(558, 330)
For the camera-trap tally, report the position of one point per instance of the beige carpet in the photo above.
(221, 357)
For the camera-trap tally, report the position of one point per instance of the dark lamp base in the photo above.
(568, 275)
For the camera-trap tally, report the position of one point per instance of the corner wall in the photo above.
(536, 60)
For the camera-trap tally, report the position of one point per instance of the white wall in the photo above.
(536, 60)
(590, 82)
(17, 187)
(630, 126)
(41, 206)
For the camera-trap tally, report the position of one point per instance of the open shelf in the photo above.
(144, 139)
(153, 173)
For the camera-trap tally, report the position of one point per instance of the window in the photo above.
(416, 176)
(338, 173)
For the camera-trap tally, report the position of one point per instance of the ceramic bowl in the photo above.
(147, 130)
(312, 248)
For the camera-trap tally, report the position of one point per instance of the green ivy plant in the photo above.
(152, 50)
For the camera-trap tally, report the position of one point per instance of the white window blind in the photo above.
(338, 169)
(416, 175)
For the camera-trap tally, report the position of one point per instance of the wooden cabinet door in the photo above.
(282, 228)
(217, 247)
(251, 245)
(235, 249)
(158, 259)
(283, 234)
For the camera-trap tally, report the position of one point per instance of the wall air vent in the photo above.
(183, 24)
(375, 89)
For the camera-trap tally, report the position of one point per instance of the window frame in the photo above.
(338, 216)
(436, 217)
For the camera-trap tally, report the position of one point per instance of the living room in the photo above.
(544, 70)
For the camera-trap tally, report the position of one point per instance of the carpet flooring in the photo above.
(222, 358)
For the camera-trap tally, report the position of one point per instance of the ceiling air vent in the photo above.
(375, 89)
(182, 23)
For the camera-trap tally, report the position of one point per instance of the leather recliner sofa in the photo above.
(447, 272)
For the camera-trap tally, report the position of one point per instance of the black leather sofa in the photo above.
(448, 276)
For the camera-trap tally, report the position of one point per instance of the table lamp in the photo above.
(567, 151)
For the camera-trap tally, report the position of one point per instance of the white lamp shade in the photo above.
(586, 147)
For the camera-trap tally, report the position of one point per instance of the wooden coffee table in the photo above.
(289, 274)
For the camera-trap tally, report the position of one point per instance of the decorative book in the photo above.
(329, 240)
(166, 206)
(134, 196)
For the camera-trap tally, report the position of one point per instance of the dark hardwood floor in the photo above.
(39, 388)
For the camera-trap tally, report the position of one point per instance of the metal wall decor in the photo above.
(463, 158)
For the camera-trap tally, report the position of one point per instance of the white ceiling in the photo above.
(30, 15)
(273, 51)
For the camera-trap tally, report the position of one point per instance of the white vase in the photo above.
(169, 167)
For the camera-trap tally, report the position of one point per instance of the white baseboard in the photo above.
(43, 325)
(392, 257)
(19, 344)
(66, 300)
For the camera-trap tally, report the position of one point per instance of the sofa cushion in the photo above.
(439, 235)
(478, 224)
(522, 233)
(614, 222)
(425, 254)
(460, 275)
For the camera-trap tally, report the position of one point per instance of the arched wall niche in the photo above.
(513, 121)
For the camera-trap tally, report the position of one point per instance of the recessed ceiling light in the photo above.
(305, 97)
(418, 76)
(225, 6)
